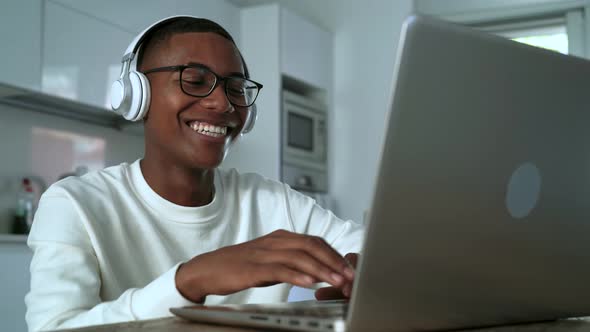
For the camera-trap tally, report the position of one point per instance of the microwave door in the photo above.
(300, 132)
(304, 138)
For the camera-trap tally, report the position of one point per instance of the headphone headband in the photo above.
(136, 43)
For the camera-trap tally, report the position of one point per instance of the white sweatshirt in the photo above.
(106, 246)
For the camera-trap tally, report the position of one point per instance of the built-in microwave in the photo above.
(304, 152)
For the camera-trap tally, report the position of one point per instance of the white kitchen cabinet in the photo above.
(15, 258)
(81, 55)
(117, 12)
(306, 51)
(20, 36)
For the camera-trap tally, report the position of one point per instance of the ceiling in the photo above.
(322, 13)
(249, 3)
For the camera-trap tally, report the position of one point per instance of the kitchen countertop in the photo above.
(13, 238)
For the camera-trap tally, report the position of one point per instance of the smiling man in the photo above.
(172, 229)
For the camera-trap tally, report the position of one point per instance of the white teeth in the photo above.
(208, 129)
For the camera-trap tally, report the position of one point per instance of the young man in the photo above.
(171, 229)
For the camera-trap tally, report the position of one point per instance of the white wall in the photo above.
(366, 38)
(259, 150)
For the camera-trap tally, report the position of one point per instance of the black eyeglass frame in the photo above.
(218, 79)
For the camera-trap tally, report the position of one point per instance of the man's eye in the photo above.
(236, 91)
(193, 82)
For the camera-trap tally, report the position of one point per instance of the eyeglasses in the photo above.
(200, 81)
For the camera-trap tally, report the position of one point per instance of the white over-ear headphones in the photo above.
(130, 94)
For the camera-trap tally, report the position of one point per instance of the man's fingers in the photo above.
(352, 258)
(302, 261)
(347, 290)
(273, 273)
(320, 249)
(329, 293)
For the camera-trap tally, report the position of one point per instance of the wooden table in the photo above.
(174, 324)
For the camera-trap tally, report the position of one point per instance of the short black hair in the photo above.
(184, 25)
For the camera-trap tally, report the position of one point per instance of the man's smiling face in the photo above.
(193, 132)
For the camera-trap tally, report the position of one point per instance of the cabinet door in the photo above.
(147, 12)
(20, 36)
(81, 55)
(15, 259)
(306, 51)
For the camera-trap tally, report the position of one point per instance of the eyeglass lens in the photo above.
(199, 82)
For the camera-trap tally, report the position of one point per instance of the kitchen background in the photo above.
(339, 52)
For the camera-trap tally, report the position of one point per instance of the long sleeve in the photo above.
(66, 279)
(307, 217)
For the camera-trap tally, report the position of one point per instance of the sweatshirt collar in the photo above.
(172, 211)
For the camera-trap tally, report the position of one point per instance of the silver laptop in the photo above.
(481, 209)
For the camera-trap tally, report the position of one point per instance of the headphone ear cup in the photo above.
(146, 96)
(250, 120)
(118, 95)
(139, 97)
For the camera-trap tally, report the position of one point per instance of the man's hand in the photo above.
(338, 292)
(278, 257)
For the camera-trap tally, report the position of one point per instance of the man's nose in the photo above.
(217, 100)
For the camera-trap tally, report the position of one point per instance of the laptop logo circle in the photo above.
(523, 190)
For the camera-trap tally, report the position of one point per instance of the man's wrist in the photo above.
(185, 287)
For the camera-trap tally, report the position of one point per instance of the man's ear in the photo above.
(250, 120)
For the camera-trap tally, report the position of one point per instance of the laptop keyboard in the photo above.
(318, 310)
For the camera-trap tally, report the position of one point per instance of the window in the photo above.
(549, 33)
(551, 37)
(562, 26)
